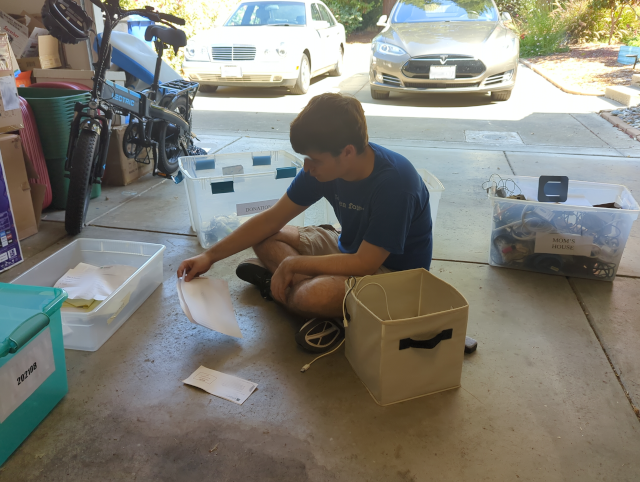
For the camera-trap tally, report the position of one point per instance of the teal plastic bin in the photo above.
(33, 373)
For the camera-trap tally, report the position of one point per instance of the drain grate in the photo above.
(493, 137)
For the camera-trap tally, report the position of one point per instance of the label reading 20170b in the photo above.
(25, 372)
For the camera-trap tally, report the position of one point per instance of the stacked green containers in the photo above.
(33, 373)
(53, 110)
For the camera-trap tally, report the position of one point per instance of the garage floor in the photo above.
(548, 396)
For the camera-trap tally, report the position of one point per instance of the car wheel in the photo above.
(379, 94)
(337, 72)
(501, 95)
(208, 89)
(304, 77)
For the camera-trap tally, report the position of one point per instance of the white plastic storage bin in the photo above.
(435, 188)
(571, 238)
(88, 331)
(224, 190)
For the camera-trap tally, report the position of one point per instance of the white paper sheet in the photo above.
(89, 282)
(207, 302)
(9, 93)
(221, 385)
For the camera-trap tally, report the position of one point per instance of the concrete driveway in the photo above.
(549, 395)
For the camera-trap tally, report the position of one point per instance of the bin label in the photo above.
(254, 208)
(25, 372)
(569, 244)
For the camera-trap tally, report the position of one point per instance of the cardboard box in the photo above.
(48, 55)
(18, 184)
(78, 76)
(121, 170)
(10, 252)
(17, 32)
(10, 111)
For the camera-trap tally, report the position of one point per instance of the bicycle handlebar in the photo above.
(147, 12)
(171, 18)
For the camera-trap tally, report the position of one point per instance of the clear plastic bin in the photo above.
(435, 188)
(89, 330)
(224, 190)
(569, 239)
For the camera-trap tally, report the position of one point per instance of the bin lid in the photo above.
(20, 303)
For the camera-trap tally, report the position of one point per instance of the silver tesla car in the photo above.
(444, 46)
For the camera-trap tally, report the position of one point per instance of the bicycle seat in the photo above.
(171, 36)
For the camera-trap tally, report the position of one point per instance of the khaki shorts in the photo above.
(323, 240)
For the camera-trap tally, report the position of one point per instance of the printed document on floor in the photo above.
(207, 302)
(221, 385)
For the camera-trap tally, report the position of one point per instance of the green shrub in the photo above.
(543, 29)
(370, 18)
(350, 13)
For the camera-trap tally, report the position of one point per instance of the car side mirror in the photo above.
(382, 22)
(506, 17)
(320, 24)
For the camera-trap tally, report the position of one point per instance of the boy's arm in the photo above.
(256, 229)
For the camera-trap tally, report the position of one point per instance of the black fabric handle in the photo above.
(428, 344)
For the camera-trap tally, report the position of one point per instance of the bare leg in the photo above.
(319, 296)
(272, 251)
(308, 297)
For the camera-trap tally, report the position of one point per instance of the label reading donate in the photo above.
(25, 372)
(254, 208)
(563, 244)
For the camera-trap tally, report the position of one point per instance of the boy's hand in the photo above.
(195, 266)
(282, 279)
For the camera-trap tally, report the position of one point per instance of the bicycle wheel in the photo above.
(168, 135)
(82, 161)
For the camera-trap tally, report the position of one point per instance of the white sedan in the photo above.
(281, 43)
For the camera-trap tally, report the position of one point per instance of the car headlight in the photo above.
(281, 50)
(196, 52)
(389, 49)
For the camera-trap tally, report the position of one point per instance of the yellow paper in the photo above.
(86, 305)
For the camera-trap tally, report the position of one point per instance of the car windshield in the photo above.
(419, 11)
(268, 13)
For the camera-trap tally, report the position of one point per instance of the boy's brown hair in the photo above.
(329, 123)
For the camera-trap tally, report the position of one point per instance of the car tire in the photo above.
(207, 89)
(379, 94)
(501, 96)
(337, 72)
(304, 77)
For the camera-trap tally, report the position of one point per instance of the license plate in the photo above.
(231, 71)
(444, 72)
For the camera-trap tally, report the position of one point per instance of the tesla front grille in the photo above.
(391, 80)
(233, 53)
(460, 85)
(495, 79)
(466, 66)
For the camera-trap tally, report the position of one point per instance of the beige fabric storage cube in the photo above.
(417, 350)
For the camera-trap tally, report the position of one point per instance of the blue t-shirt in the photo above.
(389, 209)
